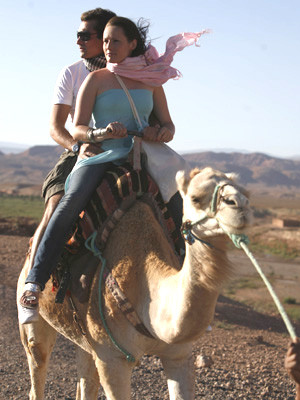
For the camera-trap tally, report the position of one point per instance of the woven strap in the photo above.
(137, 140)
(98, 241)
(124, 304)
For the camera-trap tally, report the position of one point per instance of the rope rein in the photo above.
(91, 245)
(279, 306)
(240, 241)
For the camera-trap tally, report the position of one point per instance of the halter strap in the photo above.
(187, 226)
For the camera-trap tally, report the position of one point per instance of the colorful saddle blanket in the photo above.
(118, 184)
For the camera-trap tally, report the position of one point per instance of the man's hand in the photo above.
(292, 360)
(88, 150)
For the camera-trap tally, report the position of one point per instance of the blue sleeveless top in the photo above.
(113, 106)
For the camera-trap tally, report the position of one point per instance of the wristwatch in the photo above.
(76, 147)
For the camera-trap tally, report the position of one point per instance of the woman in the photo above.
(101, 95)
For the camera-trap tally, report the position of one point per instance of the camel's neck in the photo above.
(184, 302)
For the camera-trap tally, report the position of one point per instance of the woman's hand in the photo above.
(150, 133)
(116, 130)
(158, 134)
(164, 135)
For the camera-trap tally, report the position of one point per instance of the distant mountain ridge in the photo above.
(22, 172)
(8, 147)
(252, 168)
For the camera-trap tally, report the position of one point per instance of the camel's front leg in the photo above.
(115, 377)
(88, 378)
(180, 373)
(38, 340)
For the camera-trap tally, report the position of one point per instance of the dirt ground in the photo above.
(247, 348)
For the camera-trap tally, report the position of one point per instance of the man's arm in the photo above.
(58, 132)
(63, 137)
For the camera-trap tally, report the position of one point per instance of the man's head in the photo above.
(90, 32)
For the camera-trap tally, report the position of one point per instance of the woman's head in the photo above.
(123, 36)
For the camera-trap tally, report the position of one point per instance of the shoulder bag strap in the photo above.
(133, 107)
(137, 140)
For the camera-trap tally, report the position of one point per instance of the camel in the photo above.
(175, 302)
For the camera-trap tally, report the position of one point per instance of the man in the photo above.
(292, 364)
(89, 40)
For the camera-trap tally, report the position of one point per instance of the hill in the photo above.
(23, 173)
(254, 168)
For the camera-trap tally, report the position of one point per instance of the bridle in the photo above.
(241, 241)
(187, 226)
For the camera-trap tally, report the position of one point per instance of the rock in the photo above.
(203, 361)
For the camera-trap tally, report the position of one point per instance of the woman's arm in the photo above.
(164, 132)
(84, 107)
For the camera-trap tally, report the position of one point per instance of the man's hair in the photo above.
(100, 17)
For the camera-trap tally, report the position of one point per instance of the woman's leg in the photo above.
(82, 184)
(174, 207)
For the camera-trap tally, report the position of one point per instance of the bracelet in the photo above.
(90, 135)
(99, 133)
(93, 134)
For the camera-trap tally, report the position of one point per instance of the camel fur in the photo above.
(176, 303)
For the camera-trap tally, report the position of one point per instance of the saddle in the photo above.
(119, 189)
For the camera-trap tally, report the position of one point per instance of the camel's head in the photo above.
(215, 200)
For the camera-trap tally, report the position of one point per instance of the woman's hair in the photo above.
(133, 31)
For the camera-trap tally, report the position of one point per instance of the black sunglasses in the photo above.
(85, 36)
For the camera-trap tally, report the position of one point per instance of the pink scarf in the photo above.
(151, 68)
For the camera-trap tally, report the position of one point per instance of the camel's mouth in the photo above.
(235, 221)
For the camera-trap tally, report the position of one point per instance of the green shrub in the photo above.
(289, 300)
(294, 313)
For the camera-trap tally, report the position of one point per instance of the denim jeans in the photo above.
(82, 184)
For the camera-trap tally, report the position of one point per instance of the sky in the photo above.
(240, 90)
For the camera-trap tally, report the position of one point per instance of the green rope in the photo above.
(213, 205)
(91, 245)
(241, 242)
(238, 239)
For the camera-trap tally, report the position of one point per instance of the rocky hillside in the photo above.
(23, 173)
(254, 168)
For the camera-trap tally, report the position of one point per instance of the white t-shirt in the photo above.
(68, 84)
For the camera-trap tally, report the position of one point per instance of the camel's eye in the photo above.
(197, 200)
(229, 202)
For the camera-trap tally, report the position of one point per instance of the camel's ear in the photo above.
(182, 180)
(233, 176)
(194, 172)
